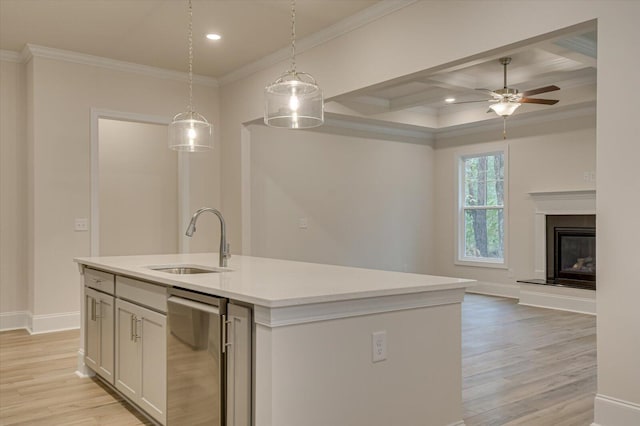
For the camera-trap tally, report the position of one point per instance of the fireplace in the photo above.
(571, 250)
(564, 249)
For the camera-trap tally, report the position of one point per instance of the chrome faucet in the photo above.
(225, 254)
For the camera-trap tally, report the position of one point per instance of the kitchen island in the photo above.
(332, 345)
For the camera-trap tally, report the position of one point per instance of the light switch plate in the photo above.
(81, 225)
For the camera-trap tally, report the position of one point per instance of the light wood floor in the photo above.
(521, 366)
(38, 385)
(526, 366)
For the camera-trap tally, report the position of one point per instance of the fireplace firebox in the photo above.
(575, 254)
(571, 250)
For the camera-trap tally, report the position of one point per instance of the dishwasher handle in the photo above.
(194, 305)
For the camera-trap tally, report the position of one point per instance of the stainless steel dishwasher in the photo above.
(208, 361)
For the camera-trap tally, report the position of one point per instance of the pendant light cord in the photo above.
(293, 36)
(190, 57)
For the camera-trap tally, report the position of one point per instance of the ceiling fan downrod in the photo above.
(505, 61)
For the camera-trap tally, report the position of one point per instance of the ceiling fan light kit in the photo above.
(504, 108)
(294, 100)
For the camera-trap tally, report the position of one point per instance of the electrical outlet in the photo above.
(81, 225)
(379, 346)
(303, 223)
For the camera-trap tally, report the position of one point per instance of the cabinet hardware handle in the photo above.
(137, 336)
(96, 280)
(93, 309)
(133, 324)
(225, 334)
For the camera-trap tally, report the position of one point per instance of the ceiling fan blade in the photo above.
(470, 102)
(538, 101)
(540, 90)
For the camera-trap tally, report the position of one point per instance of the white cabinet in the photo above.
(99, 327)
(239, 378)
(141, 357)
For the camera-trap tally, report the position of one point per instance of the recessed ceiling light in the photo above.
(214, 36)
(450, 100)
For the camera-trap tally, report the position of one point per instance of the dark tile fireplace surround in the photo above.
(570, 252)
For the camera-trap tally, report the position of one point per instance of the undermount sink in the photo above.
(186, 269)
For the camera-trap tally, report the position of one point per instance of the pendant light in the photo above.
(294, 100)
(190, 131)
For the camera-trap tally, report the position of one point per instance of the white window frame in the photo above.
(460, 258)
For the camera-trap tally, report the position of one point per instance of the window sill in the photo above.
(481, 263)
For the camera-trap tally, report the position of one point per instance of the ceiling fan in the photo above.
(506, 100)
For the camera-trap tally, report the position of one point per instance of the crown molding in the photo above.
(375, 129)
(10, 56)
(338, 29)
(32, 50)
(581, 109)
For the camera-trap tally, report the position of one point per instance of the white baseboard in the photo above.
(83, 371)
(511, 291)
(14, 320)
(54, 322)
(615, 412)
(561, 298)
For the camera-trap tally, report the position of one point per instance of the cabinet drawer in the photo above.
(142, 293)
(99, 280)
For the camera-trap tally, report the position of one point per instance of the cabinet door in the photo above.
(152, 329)
(106, 323)
(91, 334)
(238, 366)
(127, 355)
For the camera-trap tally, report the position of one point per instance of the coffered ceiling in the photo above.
(418, 101)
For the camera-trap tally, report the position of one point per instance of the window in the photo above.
(481, 208)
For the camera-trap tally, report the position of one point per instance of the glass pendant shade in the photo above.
(504, 108)
(294, 101)
(190, 132)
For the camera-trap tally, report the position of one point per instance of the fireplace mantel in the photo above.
(561, 202)
(581, 201)
(576, 194)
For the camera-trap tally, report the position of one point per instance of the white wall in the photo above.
(13, 200)
(138, 189)
(422, 36)
(368, 202)
(60, 96)
(548, 156)
(618, 128)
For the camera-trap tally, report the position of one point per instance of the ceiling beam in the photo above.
(586, 60)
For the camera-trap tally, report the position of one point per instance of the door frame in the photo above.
(183, 173)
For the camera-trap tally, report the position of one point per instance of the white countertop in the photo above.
(273, 282)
